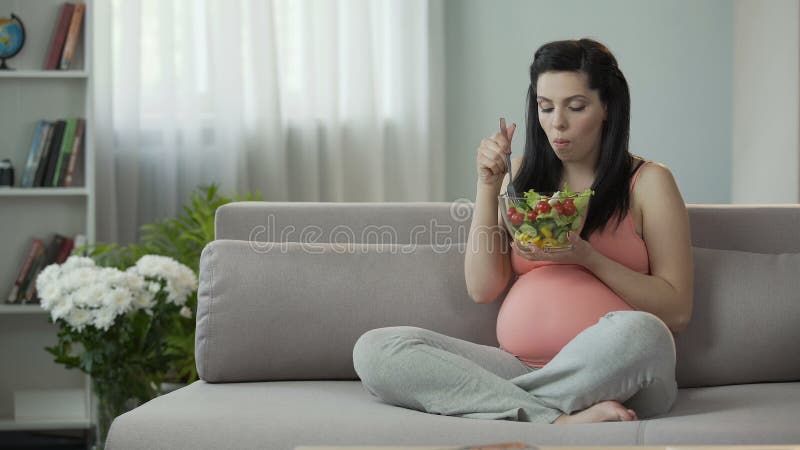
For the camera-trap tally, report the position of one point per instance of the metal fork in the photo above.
(510, 191)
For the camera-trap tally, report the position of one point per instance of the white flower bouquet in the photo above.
(116, 325)
(82, 294)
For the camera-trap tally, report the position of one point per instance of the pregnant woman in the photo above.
(585, 335)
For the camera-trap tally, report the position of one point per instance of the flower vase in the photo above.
(111, 403)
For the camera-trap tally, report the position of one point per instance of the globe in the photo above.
(12, 38)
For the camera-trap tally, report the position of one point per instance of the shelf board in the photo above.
(42, 191)
(44, 74)
(54, 424)
(22, 309)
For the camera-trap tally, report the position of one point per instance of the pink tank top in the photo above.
(550, 303)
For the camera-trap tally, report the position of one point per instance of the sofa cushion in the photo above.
(282, 415)
(293, 311)
(260, 303)
(744, 326)
(762, 413)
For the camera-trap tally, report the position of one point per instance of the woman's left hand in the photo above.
(580, 254)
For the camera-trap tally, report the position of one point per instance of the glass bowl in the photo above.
(544, 219)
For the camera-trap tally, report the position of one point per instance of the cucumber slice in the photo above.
(545, 223)
(530, 230)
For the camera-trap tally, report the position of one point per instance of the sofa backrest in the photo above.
(424, 223)
(287, 288)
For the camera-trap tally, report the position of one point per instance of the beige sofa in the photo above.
(287, 288)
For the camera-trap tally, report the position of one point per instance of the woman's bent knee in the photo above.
(645, 337)
(642, 327)
(372, 348)
(373, 355)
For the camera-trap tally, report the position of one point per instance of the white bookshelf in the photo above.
(21, 309)
(43, 192)
(43, 73)
(28, 94)
(28, 425)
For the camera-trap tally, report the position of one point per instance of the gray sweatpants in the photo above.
(627, 356)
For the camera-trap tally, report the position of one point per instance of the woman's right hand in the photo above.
(491, 159)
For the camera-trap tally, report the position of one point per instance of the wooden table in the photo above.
(556, 447)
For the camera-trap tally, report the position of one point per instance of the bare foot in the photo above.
(607, 411)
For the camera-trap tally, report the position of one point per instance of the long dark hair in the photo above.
(541, 169)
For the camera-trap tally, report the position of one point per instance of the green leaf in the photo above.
(87, 362)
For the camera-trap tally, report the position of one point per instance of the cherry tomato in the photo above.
(517, 219)
(532, 215)
(559, 208)
(569, 207)
(511, 211)
(543, 207)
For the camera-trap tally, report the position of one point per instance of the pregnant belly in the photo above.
(550, 305)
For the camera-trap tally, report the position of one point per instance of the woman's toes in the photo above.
(625, 415)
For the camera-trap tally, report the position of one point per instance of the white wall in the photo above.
(766, 102)
(676, 55)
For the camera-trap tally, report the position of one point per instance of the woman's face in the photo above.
(570, 111)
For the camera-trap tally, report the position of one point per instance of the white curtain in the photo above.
(302, 100)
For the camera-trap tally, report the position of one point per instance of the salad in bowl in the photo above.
(544, 219)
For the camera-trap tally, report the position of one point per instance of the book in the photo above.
(65, 250)
(27, 291)
(52, 157)
(72, 36)
(57, 251)
(65, 150)
(45, 145)
(59, 36)
(69, 172)
(54, 247)
(43, 154)
(24, 270)
(33, 154)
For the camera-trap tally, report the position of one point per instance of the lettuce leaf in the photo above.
(582, 201)
(563, 221)
(532, 198)
(566, 192)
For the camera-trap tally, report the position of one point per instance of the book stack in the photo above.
(66, 32)
(53, 159)
(56, 252)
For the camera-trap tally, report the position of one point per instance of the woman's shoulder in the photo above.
(654, 180)
(650, 168)
(639, 162)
